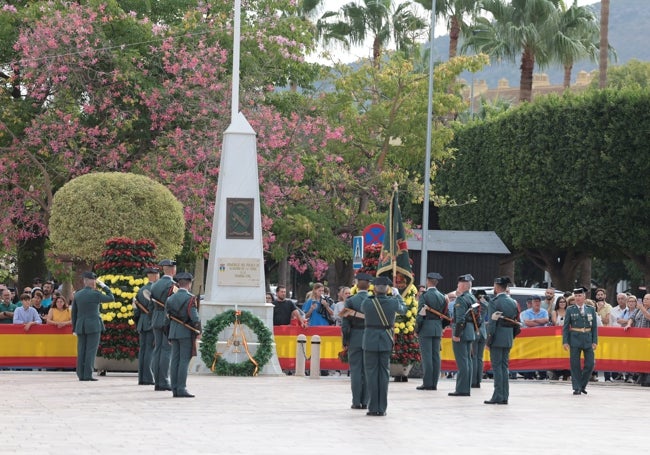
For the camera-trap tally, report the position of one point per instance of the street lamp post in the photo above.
(427, 159)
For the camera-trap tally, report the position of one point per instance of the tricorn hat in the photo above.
(183, 276)
(363, 277)
(383, 281)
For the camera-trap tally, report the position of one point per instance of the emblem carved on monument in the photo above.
(239, 218)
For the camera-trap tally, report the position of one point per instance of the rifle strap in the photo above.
(383, 318)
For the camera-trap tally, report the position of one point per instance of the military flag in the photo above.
(394, 259)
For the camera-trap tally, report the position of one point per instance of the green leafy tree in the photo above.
(634, 74)
(92, 208)
(560, 180)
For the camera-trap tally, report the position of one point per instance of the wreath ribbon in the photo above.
(237, 330)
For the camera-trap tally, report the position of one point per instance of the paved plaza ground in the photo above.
(45, 412)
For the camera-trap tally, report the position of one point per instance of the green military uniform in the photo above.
(378, 346)
(580, 332)
(181, 305)
(500, 334)
(429, 327)
(146, 338)
(160, 291)
(462, 326)
(352, 331)
(478, 346)
(88, 326)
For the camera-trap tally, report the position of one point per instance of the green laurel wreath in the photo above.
(210, 337)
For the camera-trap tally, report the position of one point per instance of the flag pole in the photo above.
(393, 246)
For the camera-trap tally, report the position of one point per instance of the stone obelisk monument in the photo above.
(235, 276)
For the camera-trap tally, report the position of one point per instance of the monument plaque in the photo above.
(242, 272)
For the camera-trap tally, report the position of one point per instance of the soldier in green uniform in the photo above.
(143, 310)
(478, 345)
(160, 291)
(463, 332)
(500, 338)
(87, 323)
(352, 328)
(431, 310)
(182, 306)
(379, 312)
(580, 336)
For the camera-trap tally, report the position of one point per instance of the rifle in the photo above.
(499, 315)
(141, 306)
(437, 313)
(147, 294)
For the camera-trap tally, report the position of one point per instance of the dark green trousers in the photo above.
(357, 377)
(430, 354)
(87, 345)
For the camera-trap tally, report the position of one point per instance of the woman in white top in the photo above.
(344, 293)
(559, 311)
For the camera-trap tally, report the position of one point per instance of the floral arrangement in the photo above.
(122, 259)
(406, 349)
(125, 256)
(370, 259)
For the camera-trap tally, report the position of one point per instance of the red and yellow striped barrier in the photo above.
(43, 346)
(534, 349)
(330, 346)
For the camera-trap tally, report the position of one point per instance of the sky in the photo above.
(338, 54)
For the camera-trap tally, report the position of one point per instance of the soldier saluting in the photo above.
(352, 327)
(379, 312)
(580, 337)
(182, 309)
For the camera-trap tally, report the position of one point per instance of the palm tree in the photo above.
(455, 11)
(375, 19)
(523, 28)
(604, 43)
(576, 38)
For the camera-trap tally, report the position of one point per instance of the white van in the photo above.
(521, 294)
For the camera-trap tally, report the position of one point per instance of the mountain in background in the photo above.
(628, 35)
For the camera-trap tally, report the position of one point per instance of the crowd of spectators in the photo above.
(34, 305)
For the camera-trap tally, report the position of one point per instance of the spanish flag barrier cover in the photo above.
(534, 349)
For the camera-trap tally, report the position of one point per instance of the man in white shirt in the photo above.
(620, 314)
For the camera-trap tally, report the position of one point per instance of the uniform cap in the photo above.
(580, 290)
(434, 276)
(149, 270)
(466, 277)
(89, 275)
(183, 276)
(502, 280)
(363, 277)
(166, 263)
(383, 281)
